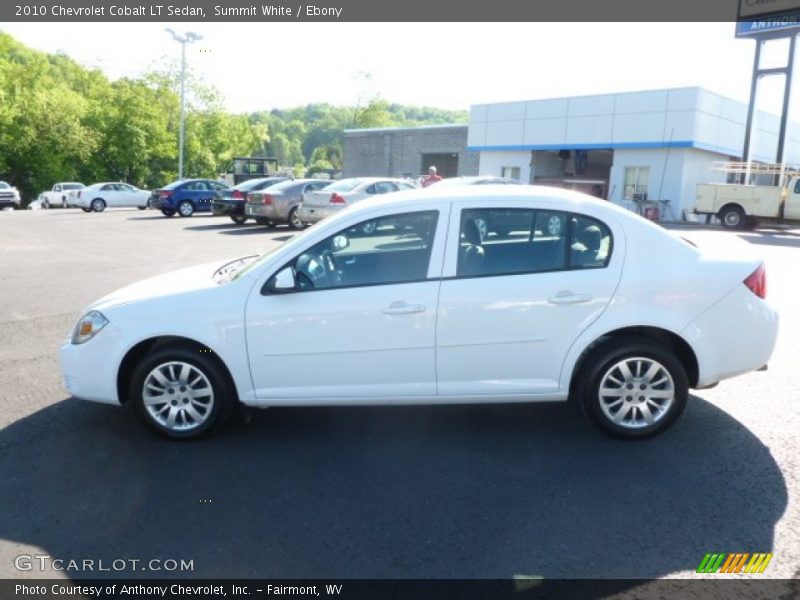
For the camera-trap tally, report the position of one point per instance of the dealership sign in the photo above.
(761, 17)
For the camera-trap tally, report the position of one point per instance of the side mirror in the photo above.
(283, 281)
(340, 242)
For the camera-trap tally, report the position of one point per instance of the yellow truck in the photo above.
(738, 206)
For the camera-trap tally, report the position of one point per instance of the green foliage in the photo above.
(60, 121)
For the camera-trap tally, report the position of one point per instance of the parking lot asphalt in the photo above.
(414, 492)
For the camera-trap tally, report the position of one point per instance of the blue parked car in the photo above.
(186, 196)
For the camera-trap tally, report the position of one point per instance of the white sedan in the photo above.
(98, 196)
(321, 203)
(608, 310)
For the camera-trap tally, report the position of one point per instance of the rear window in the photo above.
(344, 185)
(285, 185)
(252, 184)
(173, 185)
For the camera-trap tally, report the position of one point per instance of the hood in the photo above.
(195, 278)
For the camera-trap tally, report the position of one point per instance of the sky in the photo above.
(260, 66)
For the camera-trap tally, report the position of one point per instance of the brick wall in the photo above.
(397, 152)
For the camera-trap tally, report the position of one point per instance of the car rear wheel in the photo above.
(98, 205)
(239, 219)
(167, 212)
(732, 217)
(186, 209)
(294, 220)
(632, 387)
(181, 392)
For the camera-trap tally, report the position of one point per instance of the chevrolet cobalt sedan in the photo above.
(607, 310)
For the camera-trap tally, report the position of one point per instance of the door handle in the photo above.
(403, 308)
(567, 297)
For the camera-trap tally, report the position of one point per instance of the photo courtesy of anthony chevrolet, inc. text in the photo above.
(423, 300)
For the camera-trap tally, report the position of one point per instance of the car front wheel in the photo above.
(186, 209)
(98, 205)
(167, 212)
(633, 387)
(181, 392)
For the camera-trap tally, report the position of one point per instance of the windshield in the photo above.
(345, 185)
(4, 185)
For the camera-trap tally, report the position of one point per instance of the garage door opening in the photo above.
(446, 164)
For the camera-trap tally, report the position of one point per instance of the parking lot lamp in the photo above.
(184, 39)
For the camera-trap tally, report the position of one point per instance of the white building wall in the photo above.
(674, 176)
(492, 163)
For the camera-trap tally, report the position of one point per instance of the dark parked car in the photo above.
(230, 202)
(278, 203)
(186, 196)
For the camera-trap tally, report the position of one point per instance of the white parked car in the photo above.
(318, 204)
(9, 196)
(98, 196)
(609, 310)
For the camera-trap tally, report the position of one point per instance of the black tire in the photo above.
(293, 221)
(98, 205)
(224, 397)
(600, 365)
(239, 219)
(88, 210)
(265, 222)
(141, 207)
(732, 217)
(167, 212)
(185, 208)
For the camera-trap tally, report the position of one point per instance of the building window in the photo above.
(636, 180)
(510, 172)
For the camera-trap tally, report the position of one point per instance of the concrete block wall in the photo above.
(395, 152)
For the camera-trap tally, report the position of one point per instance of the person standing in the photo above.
(431, 178)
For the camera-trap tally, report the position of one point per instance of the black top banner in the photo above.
(372, 10)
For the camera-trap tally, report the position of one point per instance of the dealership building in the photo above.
(639, 149)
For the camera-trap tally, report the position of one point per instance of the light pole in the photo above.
(184, 39)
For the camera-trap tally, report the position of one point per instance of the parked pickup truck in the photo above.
(61, 195)
(738, 206)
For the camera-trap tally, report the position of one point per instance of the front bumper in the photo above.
(88, 370)
(316, 214)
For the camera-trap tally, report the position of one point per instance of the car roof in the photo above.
(573, 200)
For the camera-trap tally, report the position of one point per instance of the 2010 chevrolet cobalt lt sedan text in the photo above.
(607, 309)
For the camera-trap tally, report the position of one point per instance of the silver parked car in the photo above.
(279, 203)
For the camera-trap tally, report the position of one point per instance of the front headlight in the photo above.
(88, 326)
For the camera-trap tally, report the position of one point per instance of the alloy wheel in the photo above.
(178, 396)
(636, 392)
